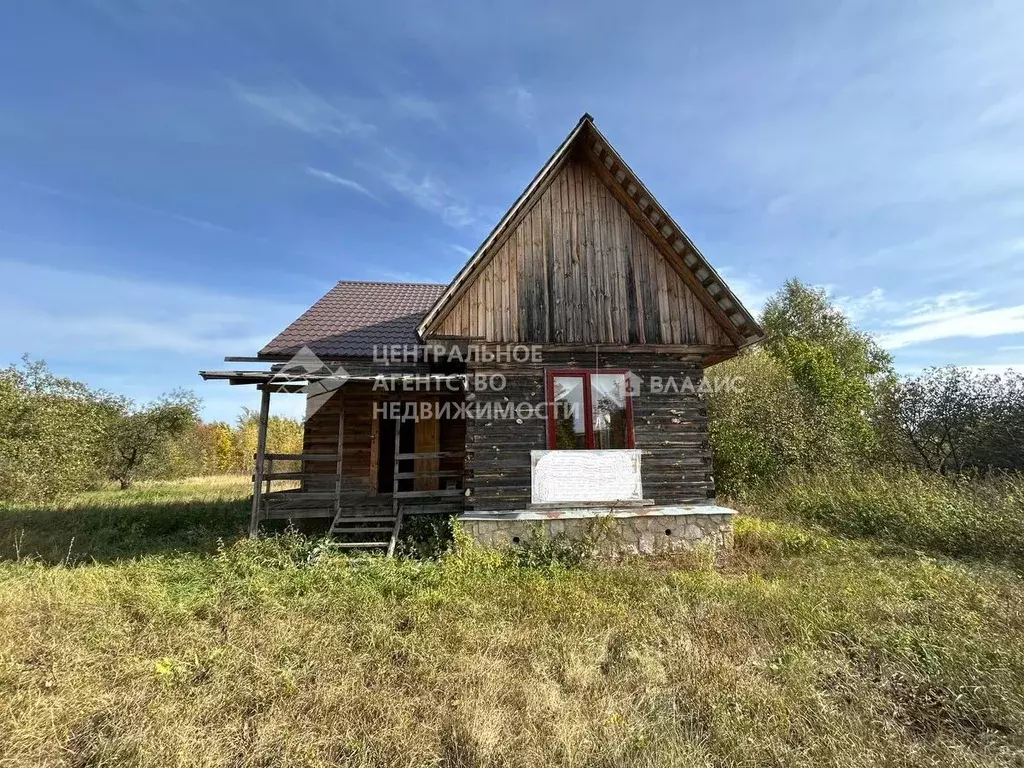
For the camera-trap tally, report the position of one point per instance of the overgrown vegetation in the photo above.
(819, 396)
(58, 437)
(871, 612)
(798, 648)
(957, 515)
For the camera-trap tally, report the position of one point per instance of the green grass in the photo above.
(955, 516)
(150, 518)
(799, 648)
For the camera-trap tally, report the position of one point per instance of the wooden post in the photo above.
(396, 509)
(428, 440)
(341, 449)
(261, 450)
(375, 454)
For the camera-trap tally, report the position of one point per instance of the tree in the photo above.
(760, 423)
(951, 419)
(136, 435)
(50, 427)
(284, 435)
(836, 365)
(804, 400)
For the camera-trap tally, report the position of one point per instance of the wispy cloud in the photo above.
(94, 200)
(341, 182)
(294, 105)
(399, 276)
(747, 288)
(462, 250)
(55, 311)
(950, 316)
(522, 104)
(857, 308)
(433, 195)
(417, 107)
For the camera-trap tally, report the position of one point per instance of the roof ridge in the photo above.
(390, 282)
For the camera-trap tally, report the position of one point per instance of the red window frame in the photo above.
(585, 374)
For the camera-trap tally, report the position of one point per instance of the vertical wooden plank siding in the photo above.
(577, 268)
(428, 437)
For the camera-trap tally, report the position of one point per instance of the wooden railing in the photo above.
(320, 494)
(418, 474)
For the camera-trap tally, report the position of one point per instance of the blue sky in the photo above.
(179, 179)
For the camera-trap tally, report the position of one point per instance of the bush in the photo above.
(50, 432)
(956, 516)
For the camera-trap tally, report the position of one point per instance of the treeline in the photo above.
(818, 396)
(58, 437)
(821, 396)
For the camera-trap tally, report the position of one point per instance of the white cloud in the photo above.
(296, 106)
(858, 307)
(417, 108)
(522, 104)
(462, 250)
(949, 316)
(49, 311)
(747, 288)
(342, 182)
(431, 194)
(946, 306)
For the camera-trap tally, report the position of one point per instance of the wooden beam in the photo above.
(374, 453)
(396, 508)
(261, 449)
(341, 452)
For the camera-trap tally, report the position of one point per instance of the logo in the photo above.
(318, 380)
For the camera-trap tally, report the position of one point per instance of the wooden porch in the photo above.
(359, 516)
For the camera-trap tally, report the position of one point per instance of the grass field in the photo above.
(166, 639)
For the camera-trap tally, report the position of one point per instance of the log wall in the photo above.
(670, 428)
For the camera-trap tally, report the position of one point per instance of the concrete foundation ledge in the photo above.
(606, 531)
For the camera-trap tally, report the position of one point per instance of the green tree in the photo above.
(759, 422)
(833, 363)
(137, 436)
(804, 400)
(284, 435)
(950, 419)
(50, 428)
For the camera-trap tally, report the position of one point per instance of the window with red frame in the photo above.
(589, 409)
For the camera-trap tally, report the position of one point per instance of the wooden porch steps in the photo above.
(364, 531)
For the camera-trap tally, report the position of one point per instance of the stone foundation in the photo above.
(609, 532)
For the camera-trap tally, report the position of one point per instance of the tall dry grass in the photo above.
(956, 516)
(797, 649)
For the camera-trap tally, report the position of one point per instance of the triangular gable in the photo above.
(586, 255)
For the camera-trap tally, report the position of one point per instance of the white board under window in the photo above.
(585, 476)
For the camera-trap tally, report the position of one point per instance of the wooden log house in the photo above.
(618, 309)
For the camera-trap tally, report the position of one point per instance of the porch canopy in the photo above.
(292, 382)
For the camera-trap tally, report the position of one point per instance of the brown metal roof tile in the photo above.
(353, 317)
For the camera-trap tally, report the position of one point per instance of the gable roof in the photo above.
(354, 316)
(736, 321)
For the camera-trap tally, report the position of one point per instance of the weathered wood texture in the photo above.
(361, 446)
(321, 434)
(669, 427)
(578, 269)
